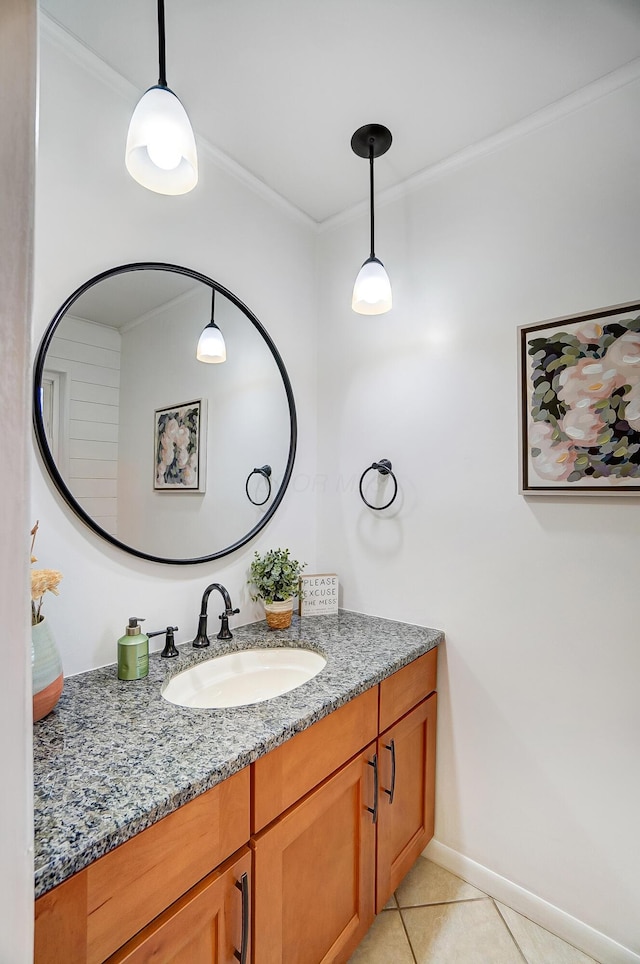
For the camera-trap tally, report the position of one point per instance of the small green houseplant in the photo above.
(275, 579)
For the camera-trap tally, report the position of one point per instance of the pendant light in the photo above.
(211, 347)
(161, 148)
(372, 290)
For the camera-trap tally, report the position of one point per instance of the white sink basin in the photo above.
(249, 676)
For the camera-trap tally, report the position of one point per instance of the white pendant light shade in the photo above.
(161, 148)
(211, 347)
(372, 290)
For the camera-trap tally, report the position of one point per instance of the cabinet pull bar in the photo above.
(392, 747)
(243, 886)
(374, 809)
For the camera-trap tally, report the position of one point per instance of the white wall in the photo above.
(90, 215)
(245, 422)
(539, 716)
(17, 157)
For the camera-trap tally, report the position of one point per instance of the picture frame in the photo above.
(179, 459)
(579, 403)
(318, 594)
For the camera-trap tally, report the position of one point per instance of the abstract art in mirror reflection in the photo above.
(179, 455)
(580, 404)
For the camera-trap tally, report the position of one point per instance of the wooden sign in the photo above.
(318, 594)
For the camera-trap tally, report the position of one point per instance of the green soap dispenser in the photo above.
(133, 651)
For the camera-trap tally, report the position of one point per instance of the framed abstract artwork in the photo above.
(580, 404)
(179, 447)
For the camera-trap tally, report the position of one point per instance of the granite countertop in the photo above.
(114, 757)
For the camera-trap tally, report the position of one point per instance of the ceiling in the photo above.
(279, 86)
(124, 299)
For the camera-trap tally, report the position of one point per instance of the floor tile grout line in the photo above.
(406, 934)
(449, 903)
(553, 934)
(522, 956)
(512, 935)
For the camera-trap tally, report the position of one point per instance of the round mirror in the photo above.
(169, 457)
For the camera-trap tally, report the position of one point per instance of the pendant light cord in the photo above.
(162, 79)
(371, 192)
(213, 304)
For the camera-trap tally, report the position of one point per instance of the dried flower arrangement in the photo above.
(42, 581)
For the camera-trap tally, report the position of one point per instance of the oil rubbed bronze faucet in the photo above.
(202, 639)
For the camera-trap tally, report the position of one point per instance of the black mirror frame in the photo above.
(43, 445)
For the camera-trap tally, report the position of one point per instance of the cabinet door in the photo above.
(314, 872)
(209, 925)
(407, 758)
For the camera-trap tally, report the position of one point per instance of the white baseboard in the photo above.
(570, 929)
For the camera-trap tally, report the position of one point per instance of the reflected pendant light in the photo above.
(161, 148)
(372, 290)
(211, 347)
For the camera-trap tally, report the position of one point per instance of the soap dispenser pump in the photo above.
(133, 651)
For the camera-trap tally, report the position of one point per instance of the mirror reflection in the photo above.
(153, 448)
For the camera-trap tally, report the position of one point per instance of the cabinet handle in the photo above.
(243, 886)
(374, 809)
(392, 747)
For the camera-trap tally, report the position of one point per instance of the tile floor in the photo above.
(435, 917)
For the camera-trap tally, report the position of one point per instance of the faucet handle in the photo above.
(169, 646)
(225, 632)
(170, 650)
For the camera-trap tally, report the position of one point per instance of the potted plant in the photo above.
(275, 577)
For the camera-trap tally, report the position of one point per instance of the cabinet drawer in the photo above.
(130, 886)
(285, 774)
(406, 688)
(89, 916)
(208, 925)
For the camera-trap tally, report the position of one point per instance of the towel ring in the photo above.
(265, 472)
(384, 467)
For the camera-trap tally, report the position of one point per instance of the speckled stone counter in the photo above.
(114, 757)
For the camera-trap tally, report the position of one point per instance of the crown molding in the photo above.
(72, 47)
(86, 58)
(627, 74)
(59, 37)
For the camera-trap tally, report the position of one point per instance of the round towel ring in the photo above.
(384, 467)
(265, 472)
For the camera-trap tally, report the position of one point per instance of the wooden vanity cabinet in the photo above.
(319, 851)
